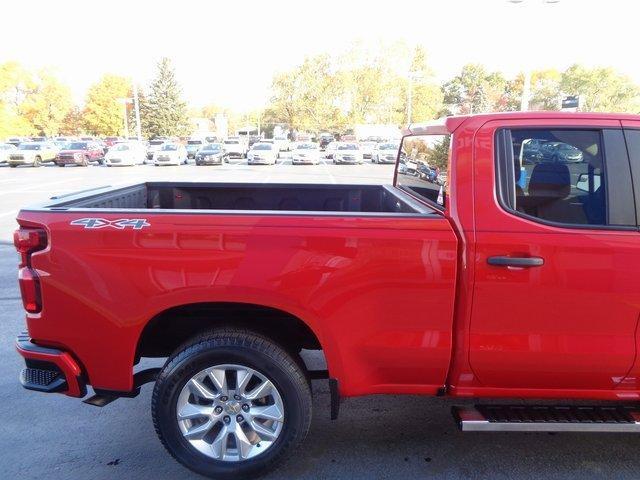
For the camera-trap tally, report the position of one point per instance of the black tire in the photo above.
(11, 165)
(60, 164)
(240, 347)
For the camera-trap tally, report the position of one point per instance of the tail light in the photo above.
(27, 241)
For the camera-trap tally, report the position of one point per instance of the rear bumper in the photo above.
(49, 370)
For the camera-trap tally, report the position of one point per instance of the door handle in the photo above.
(522, 262)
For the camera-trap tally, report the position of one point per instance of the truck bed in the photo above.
(244, 197)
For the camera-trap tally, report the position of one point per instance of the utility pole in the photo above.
(136, 107)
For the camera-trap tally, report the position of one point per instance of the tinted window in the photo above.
(262, 146)
(348, 146)
(563, 176)
(169, 148)
(423, 165)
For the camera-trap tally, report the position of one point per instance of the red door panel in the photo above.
(568, 324)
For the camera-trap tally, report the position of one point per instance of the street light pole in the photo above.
(136, 107)
(124, 102)
(409, 100)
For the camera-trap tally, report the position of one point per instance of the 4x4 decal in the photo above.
(120, 224)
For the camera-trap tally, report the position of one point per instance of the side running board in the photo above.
(545, 418)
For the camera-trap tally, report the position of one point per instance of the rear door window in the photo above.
(566, 176)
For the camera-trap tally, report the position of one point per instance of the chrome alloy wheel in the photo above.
(230, 412)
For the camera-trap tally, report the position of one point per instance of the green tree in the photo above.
(603, 89)
(165, 113)
(103, 112)
(477, 90)
(47, 104)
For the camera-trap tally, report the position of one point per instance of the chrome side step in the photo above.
(544, 418)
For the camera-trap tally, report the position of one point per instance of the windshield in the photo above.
(169, 147)
(194, 142)
(212, 147)
(389, 146)
(231, 142)
(76, 146)
(156, 142)
(306, 146)
(30, 146)
(348, 146)
(262, 146)
(120, 147)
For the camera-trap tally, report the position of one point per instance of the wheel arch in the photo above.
(172, 327)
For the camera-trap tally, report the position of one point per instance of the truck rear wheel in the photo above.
(231, 404)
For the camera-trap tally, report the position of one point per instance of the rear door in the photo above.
(557, 290)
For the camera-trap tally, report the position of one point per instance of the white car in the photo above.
(367, 149)
(305, 153)
(282, 143)
(385, 152)
(234, 147)
(170, 154)
(347, 152)
(5, 150)
(125, 154)
(263, 153)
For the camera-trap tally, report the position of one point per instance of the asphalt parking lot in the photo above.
(376, 437)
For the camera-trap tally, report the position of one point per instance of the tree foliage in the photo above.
(164, 112)
(103, 112)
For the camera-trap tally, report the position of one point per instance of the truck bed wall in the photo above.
(311, 198)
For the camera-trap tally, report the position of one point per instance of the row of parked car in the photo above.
(113, 151)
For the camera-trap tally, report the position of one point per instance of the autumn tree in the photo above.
(603, 89)
(47, 104)
(103, 112)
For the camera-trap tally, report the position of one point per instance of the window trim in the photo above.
(501, 170)
(425, 200)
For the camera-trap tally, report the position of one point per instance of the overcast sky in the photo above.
(227, 51)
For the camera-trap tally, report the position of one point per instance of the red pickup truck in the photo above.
(514, 276)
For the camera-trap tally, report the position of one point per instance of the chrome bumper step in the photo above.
(547, 418)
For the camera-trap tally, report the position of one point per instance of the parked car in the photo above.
(477, 291)
(211, 154)
(16, 141)
(347, 153)
(367, 149)
(282, 143)
(153, 146)
(325, 139)
(263, 153)
(560, 152)
(80, 153)
(5, 150)
(330, 150)
(127, 153)
(425, 172)
(234, 148)
(193, 145)
(305, 153)
(385, 153)
(111, 141)
(170, 154)
(32, 153)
